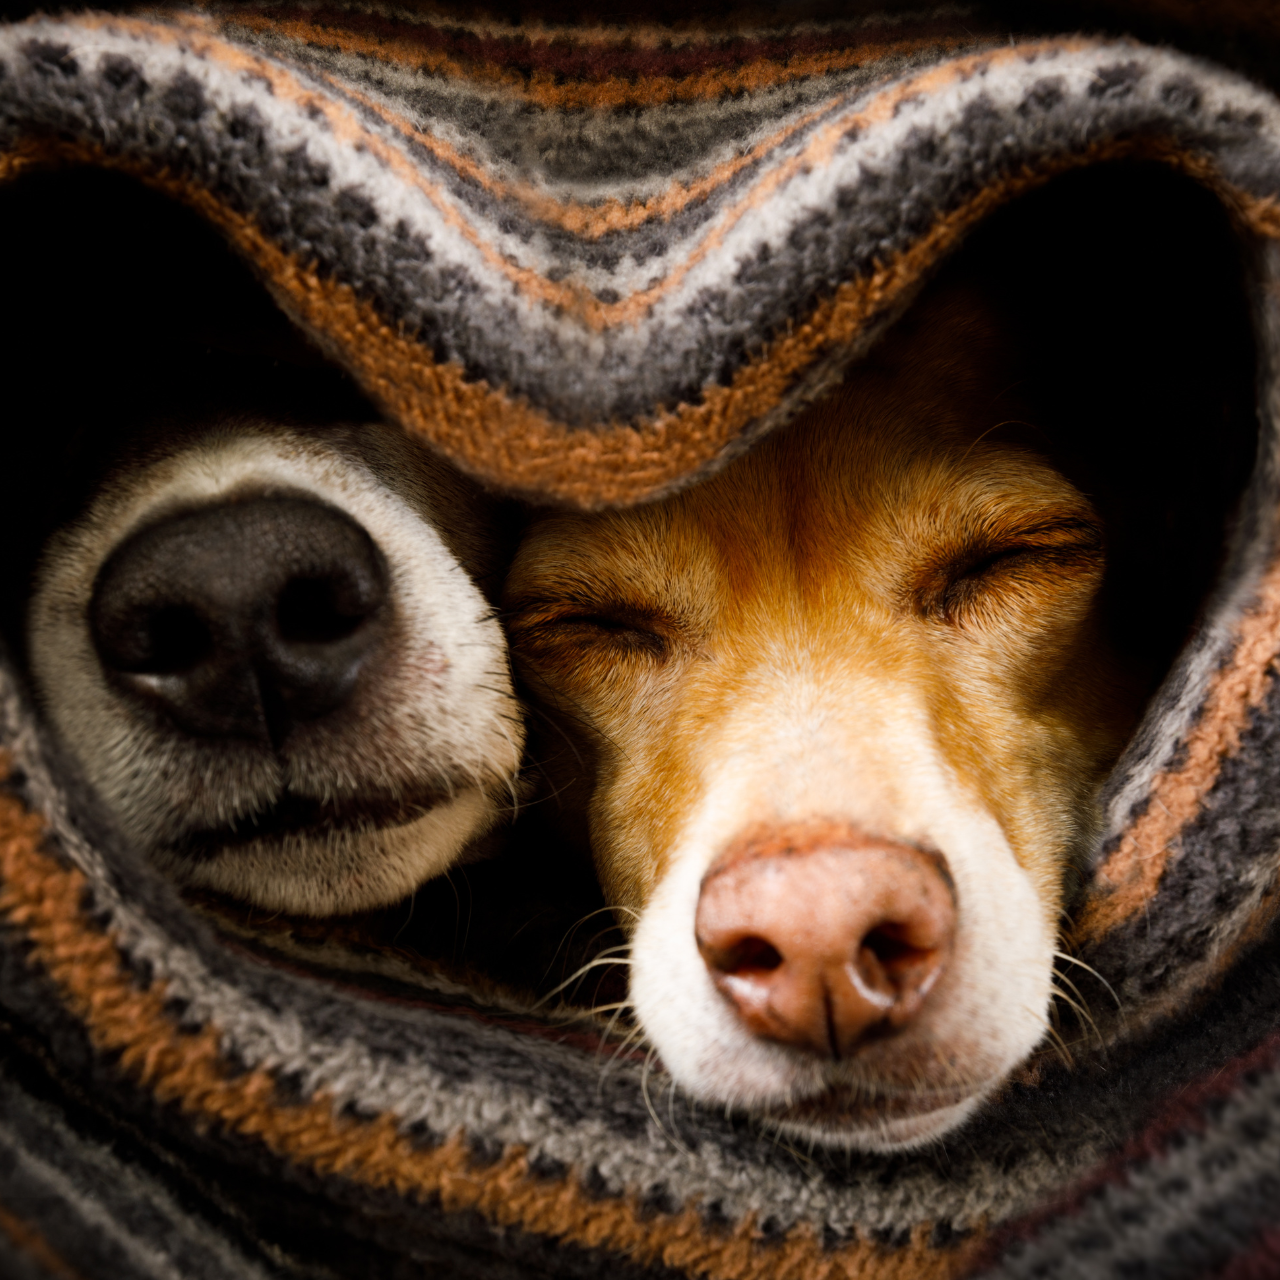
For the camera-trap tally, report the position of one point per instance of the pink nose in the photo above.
(820, 936)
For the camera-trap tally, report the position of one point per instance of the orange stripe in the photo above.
(541, 88)
(513, 446)
(1131, 875)
(590, 221)
(574, 300)
(42, 897)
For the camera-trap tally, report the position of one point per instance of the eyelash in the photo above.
(618, 632)
(958, 586)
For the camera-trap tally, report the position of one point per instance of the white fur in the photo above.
(790, 755)
(442, 706)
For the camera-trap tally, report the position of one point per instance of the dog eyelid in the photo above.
(948, 589)
(619, 625)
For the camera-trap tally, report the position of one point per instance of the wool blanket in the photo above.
(590, 259)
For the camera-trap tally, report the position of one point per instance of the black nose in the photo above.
(243, 619)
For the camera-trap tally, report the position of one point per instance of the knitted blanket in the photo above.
(590, 260)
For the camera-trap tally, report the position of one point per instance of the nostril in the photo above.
(742, 958)
(895, 971)
(152, 641)
(179, 639)
(892, 950)
(321, 610)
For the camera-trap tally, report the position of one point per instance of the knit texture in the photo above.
(590, 262)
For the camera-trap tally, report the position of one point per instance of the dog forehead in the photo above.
(835, 481)
(620, 557)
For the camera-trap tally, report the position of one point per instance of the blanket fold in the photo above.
(590, 261)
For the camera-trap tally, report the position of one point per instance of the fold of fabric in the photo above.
(590, 264)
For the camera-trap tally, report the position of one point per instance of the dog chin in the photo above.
(874, 1124)
(319, 871)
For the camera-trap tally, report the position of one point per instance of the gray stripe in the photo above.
(586, 155)
(443, 1072)
(1179, 1216)
(771, 266)
(104, 1216)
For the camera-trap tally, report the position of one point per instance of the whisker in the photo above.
(1062, 977)
(635, 1034)
(1083, 1008)
(591, 964)
(569, 934)
(1088, 968)
(531, 705)
(1083, 1012)
(546, 796)
(580, 717)
(648, 1102)
(610, 951)
(619, 1005)
(413, 899)
(1060, 1048)
(613, 1022)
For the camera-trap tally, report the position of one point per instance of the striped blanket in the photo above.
(590, 258)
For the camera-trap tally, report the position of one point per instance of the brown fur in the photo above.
(888, 618)
(893, 522)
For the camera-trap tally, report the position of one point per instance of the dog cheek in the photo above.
(630, 810)
(1042, 628)
(1025, 766)
(662, 773)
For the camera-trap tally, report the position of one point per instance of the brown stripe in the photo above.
(551, 88)
(1131, 875)
(548, 33)
(574, 300)
(585, 53)
(584, 306)
(506, 442)
(590, 221)
(43, 898)
(26, 1239)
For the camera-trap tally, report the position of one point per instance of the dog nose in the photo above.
(242, 619)
(823, 941)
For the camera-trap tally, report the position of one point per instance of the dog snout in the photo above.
(242, 619)
(822, 940)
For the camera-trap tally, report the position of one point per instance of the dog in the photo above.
(267, 649)
(848, 704)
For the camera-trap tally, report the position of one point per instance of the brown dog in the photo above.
(849, 704)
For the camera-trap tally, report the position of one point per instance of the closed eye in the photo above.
(1051, 555)
(620, 628)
